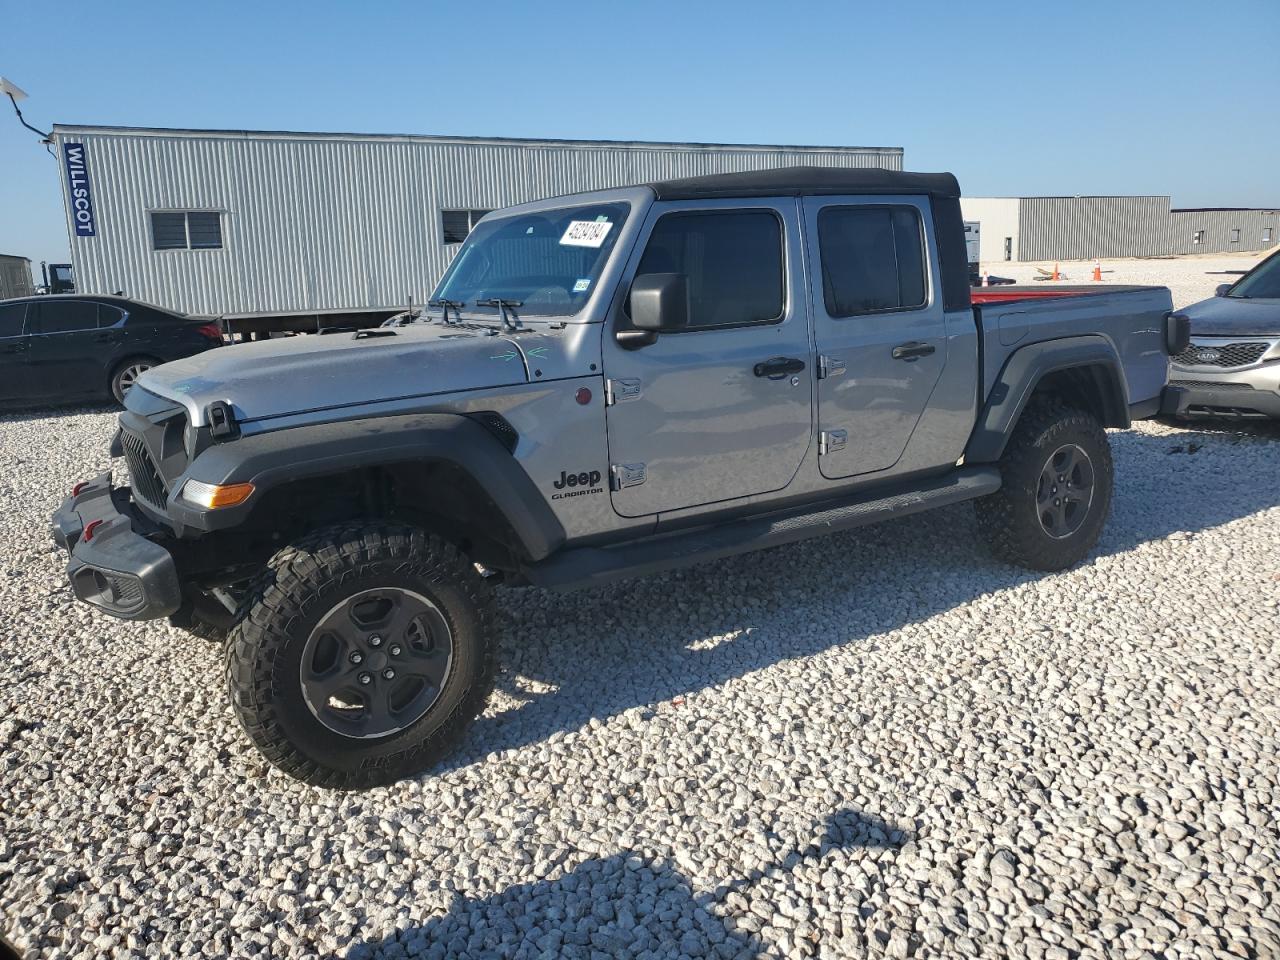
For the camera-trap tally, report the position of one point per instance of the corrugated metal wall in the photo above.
(1218, 226)
(1081, 228)
(315, 222)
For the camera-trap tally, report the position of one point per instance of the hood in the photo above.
(272, 378)
(1234, 317)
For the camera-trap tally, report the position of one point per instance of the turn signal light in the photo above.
(212, 496)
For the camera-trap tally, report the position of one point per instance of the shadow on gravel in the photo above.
(624, 905)
(570, 658)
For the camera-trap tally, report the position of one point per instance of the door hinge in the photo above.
(623, 475)
(830, 367)
(616, 391)
(832, 441)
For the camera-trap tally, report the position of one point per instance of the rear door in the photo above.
(879, 327)
(69, 355)
(722, 409)
(14, 346)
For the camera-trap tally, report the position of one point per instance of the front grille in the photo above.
(1209, 385)
(145, 476)
(1227, 355)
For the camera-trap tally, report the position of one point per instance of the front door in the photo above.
(14, 344)
(722, 409)
(878, 324)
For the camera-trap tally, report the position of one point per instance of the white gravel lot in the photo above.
(881, 743)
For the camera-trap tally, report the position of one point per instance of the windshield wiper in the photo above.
(445, 306)
(506, 312)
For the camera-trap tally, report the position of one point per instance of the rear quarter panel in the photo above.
(1131, 320)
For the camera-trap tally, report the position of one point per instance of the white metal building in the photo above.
(1084, 228)
(264, 225)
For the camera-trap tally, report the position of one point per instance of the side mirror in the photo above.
(1222, 289)
(660, 302)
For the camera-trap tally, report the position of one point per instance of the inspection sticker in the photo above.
(581, 285)
(585, 233)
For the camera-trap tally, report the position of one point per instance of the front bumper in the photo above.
(117, 569)
(1191, 400)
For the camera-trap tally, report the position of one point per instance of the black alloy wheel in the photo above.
(1065, 492)
(376, 662)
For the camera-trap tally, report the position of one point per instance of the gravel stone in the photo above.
(881, 743)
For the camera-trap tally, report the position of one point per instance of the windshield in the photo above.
(1263, 283)
(547, 262)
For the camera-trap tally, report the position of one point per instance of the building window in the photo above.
(186, 230)
(1266, 234)
(458, 223)
(1199, 237)
(1235, 234)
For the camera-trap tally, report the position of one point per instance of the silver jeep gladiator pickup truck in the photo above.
(605, 385)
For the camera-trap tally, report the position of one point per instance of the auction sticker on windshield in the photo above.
(586, 233)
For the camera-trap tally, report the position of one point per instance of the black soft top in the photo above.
(941, 188)
(804, 181)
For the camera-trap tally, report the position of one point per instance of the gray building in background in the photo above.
(1085, 228)
(308, 225)
(1218, 229)
(15, 277)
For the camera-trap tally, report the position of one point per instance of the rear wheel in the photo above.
(126, 374)
(362, 654)
(1055, 495)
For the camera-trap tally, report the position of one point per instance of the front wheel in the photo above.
(362, 654)
(1056, 487)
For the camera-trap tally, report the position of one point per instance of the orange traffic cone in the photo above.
(1056, 275)
(1097, 271)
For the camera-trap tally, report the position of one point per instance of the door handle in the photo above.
(913, 350)
(778, 367)
(107, 337)
(13, 347)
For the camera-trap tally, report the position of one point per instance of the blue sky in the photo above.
(1174, 98)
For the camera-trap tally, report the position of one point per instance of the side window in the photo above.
(872, 259)
(11, 315)
(732, 261)
(66, 316)
(109, 316)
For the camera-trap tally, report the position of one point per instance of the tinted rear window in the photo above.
(872, 259)
(11, 315)
(66, 316)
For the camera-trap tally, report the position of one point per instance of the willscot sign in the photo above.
(78, 191)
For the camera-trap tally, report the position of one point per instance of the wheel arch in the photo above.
(443, 470)
(1085, 372)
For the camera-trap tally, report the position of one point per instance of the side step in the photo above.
(578, 567)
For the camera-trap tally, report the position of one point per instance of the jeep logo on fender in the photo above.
(588, 481)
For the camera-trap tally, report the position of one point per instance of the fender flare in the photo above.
(1024, 370)
(269, 460)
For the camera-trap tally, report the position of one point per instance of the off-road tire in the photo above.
(304, 581)
(1009, 518)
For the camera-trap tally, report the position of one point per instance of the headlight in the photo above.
(212, 496)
